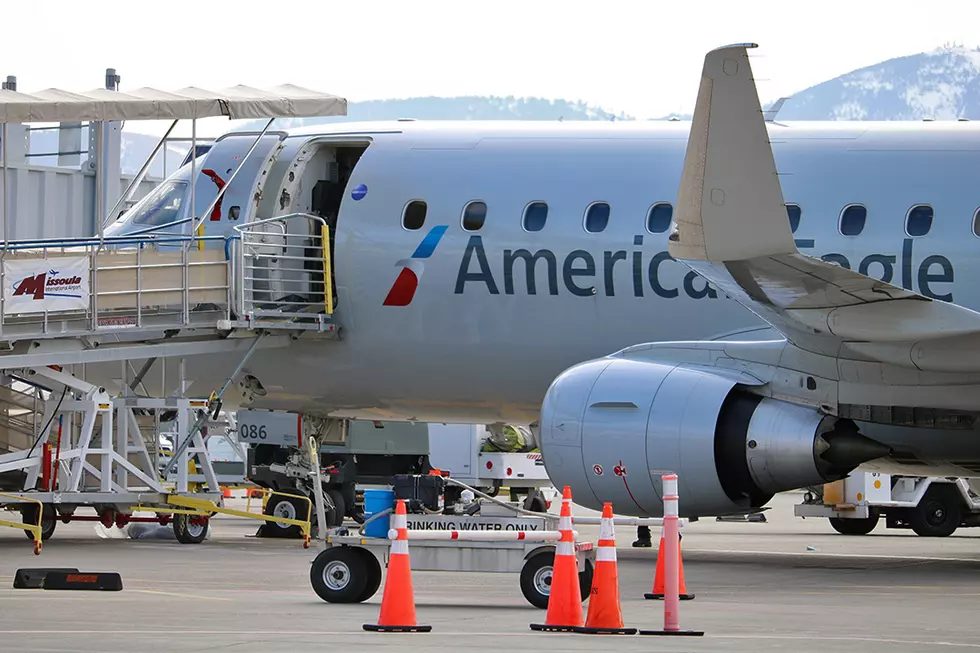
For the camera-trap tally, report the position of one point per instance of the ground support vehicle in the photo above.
(930, 506)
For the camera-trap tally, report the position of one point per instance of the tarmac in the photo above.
(784, 585)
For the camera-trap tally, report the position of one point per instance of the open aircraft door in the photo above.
(242, 163)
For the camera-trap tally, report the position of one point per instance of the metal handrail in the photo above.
(246, 250)
(265, 283)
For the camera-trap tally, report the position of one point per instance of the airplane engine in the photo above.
(610, 427)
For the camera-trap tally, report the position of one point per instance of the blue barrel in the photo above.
(376, 501)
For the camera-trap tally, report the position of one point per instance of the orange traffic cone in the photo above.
(565, 599)
(226, 493)
(658, 578)
(398, 600)
(605, 615)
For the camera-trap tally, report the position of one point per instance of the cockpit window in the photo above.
(161, 206)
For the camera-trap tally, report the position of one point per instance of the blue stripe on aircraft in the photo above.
(428, 244)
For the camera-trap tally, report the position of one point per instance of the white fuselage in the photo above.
(477, 344)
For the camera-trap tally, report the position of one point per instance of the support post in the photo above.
(672, 550)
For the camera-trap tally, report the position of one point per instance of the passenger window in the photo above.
(535, 215)
(976, 223)
(852, 220)
(414, 216)
(474, 215)
(596, 217)
(659, 217)
(919, 220)
(795, 213)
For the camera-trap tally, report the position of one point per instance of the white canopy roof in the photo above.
(237, 102)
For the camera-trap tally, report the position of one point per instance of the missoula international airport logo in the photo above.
(49, 284)
(403, 290)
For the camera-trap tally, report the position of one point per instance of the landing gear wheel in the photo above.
(48, 521)
(340, 575)
(536, 579)
(939, 513)
(335, 517)
(189, 530)
(856, 526)
(373, 577)
(287, 507)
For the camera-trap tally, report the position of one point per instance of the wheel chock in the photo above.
(33, 579)
(75, 580)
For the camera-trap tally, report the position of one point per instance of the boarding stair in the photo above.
(144, 297)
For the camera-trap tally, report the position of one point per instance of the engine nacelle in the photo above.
(610, 427)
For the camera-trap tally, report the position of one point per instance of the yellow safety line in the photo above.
(327, 276)
(34, 529)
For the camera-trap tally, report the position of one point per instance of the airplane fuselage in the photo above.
(500, 310)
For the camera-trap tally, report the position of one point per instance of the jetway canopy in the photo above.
(237, 102)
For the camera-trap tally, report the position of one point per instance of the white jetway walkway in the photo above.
(176, 295)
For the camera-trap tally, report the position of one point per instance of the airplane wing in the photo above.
(732, 229)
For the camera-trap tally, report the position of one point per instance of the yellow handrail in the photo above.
(327, 273)
(35, 530)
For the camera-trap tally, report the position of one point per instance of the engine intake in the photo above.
(611, 426)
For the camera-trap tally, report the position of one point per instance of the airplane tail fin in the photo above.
(729, 208)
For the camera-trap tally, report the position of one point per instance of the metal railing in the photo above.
(137, 282)
(269, 273)
(284, 267)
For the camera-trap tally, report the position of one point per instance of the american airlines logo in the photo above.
(403, 290)
(613, 273)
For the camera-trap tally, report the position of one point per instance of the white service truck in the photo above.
(462, 450)
(930, 506)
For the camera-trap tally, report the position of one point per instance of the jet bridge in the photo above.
(169, 290)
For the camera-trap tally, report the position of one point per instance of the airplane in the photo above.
(525, 273)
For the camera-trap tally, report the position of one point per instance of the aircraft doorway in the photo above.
(328, 193)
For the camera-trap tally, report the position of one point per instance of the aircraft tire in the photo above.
(288, 507)
(335, 517)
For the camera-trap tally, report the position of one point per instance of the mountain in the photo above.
(135, 148)
(471, 107)
(943, 84)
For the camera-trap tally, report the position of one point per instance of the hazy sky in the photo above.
(642, 58)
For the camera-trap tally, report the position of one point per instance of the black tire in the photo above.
(853, 526)
(939, 513)
(585, 580)
(536, 577)
(340, 575)
(280, 505)
(188, 532)
(856, 526)
(374, 575)
(48, 523)
(535, 502)
(335, 517)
